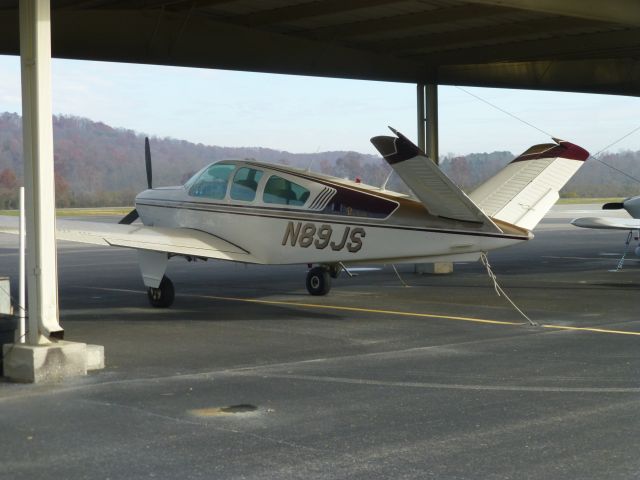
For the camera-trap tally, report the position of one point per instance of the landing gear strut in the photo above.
(334, 270)
(162, 297)
(318, 281)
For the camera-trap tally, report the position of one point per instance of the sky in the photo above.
(309, 114)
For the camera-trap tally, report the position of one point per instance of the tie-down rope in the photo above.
(485, 261)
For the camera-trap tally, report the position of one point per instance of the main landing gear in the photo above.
(318, 283)
(163, 296)
(319, 278)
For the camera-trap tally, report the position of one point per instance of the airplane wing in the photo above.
(433, 188)
(179, 241)
(607, 223)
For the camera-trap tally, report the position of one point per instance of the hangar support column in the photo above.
(37, 132)
(44, 356)
(427, 96)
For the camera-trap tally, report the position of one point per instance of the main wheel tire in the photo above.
(163, 296)
(318, 281)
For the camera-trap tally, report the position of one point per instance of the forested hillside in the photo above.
(96, 164)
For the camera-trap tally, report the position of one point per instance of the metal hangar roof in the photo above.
(570, 45)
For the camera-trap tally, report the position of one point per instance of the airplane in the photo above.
(632, 207)
(260, 213)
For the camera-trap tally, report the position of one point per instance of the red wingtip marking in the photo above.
(563, 149)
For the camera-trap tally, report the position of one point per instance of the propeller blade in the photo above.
(613, 206)
(147, 160)
(131, 217)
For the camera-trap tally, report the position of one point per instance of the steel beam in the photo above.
(306, 10)
(626, 12)
(431, 97)
(408, 21)
(511, 32)
(608, 44)
(621, 77)
(427, 97)
(37, 127)
(422, 117)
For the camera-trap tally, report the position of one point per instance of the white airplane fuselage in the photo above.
(401, 230)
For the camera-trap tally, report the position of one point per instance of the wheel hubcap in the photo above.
(315, 282)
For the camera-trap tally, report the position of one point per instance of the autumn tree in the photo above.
(8, 179)
(63, 193)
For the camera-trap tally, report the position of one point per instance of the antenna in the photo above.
(384, 185)
(312, 160)
(310, 163)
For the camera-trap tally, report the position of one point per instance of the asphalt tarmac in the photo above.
(378, 380)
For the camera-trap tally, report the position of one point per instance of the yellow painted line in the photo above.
(362, 310)
(385, 312)
(592, 329)
(414, 314)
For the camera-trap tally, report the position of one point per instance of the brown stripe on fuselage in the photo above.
(304, 215)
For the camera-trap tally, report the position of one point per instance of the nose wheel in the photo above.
(318, 281)
(162, 297)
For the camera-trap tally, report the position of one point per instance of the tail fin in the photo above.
(526, 189)
(433, 188)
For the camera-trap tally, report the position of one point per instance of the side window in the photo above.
(212, 183)
(283, 192)
(245, 184)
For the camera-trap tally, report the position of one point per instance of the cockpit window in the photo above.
(189, 183)
(283, 192)
(245, 184)
(212, 183)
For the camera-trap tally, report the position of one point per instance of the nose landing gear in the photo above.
(163, 296)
